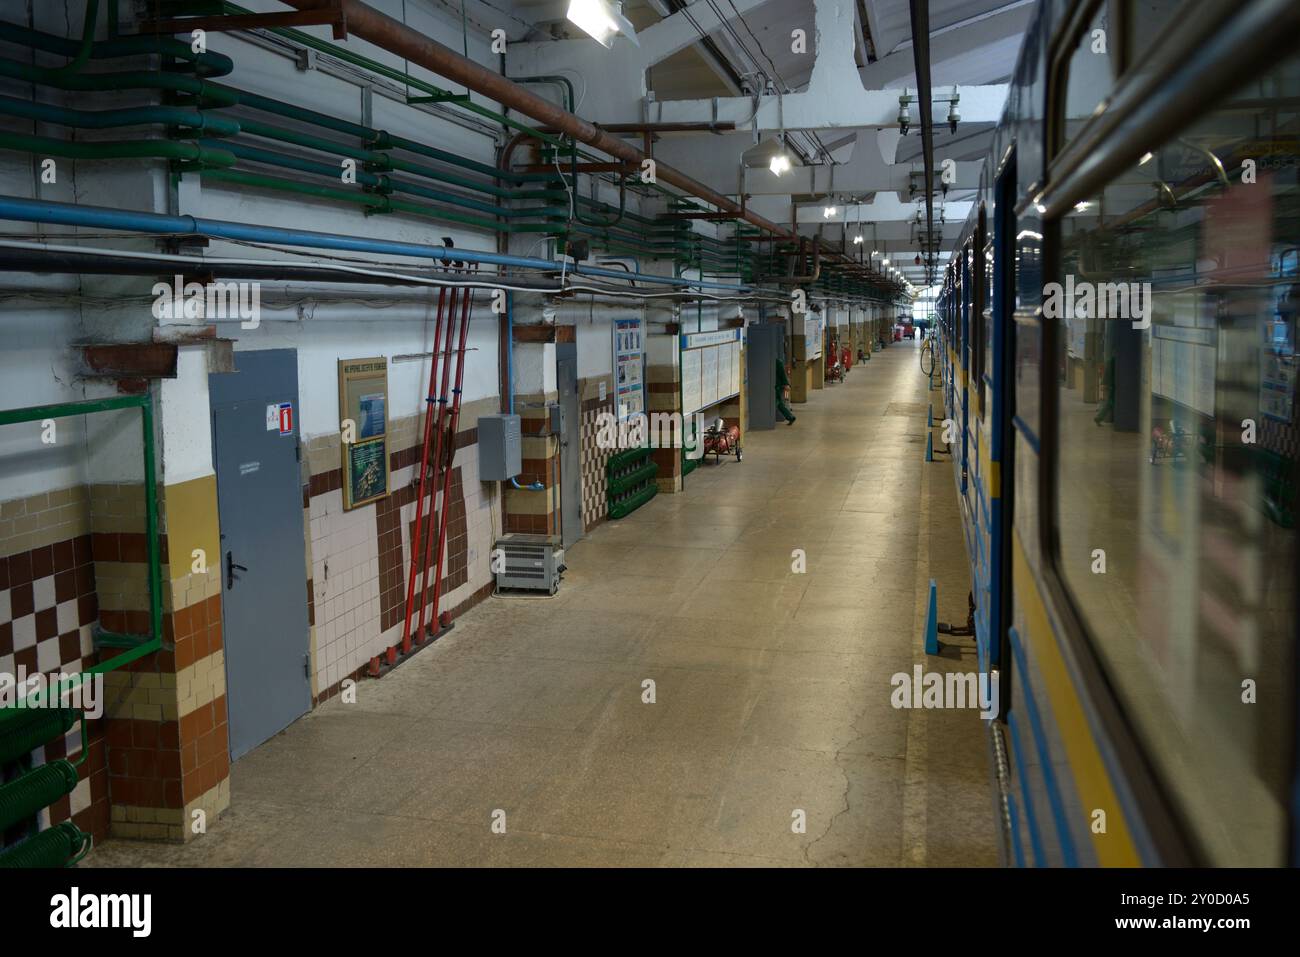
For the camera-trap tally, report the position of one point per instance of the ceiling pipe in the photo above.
(920, 12)
(396, 37)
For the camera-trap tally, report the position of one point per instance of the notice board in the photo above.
(710, 368)
(629, 361)
(363, 426)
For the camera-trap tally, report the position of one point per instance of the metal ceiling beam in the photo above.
(920, 12)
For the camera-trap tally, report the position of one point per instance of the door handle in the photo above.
(230, 570)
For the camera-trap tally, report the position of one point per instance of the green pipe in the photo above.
(383, 184)
(205, 64)
(82, 50)
(206, 91)
(380, 69)
(62, 845)
(36, 789)
(118, 149)
(373, 201)
(111, 119)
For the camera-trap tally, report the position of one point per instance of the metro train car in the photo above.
(1117, 347)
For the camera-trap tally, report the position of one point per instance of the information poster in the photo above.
(363, 425)
(629, 385)
(710, 368)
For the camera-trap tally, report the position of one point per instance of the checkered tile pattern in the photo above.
(595, 505)
(48, 611)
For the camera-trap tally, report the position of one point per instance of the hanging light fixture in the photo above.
(602, 20)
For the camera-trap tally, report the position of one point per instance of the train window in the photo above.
(984, 263)
(1175, 479)
(1091, 75)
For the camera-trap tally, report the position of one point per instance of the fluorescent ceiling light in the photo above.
(780, 164)
(1146, 158)
(829, 211)
(857, 240)
(602, 20)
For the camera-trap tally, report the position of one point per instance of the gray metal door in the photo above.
(566, 371)
(263, 578)
(763, 342)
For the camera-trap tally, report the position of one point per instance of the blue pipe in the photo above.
(510, 379)
(102, 217)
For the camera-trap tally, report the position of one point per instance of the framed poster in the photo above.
(629, 389)
(363, 414)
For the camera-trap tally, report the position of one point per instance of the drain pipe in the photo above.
(510, 381)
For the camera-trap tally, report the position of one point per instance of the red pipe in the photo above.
(451, 450)
(424, 472)
(435, 464)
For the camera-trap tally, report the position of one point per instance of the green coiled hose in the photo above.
(36, 789)
(61, 845)
(23, 731)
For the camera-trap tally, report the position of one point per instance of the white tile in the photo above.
(6, 669)
(43, 593)
(80, 797)
(5, 616)
(87, 639)
(24, 632)
(67, 616)
(47, 654)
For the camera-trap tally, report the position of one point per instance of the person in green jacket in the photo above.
(782, 386)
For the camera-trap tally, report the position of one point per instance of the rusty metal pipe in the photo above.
(396, 37)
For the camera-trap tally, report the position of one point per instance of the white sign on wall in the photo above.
(629, 351)
(710, 368)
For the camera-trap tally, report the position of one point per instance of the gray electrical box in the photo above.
(500, 455)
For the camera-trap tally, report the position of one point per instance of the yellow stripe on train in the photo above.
(1115, 848)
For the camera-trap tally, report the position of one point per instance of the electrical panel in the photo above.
(500, 455)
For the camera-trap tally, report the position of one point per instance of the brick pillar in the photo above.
(664, 394)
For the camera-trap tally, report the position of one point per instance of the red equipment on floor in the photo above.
(721, 439)
(435, 470)
(846, 358)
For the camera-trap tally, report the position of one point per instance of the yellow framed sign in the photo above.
(363, 425)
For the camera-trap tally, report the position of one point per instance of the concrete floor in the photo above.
(772, 689)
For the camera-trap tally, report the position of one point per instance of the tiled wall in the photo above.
(529, 511)
(664, 394)
(595, 500)
(360, 558)
(48, 609)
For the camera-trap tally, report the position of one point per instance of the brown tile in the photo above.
(6, 638)
(65, 585)
(85, 579)
(105, 547)
(42, 562)
(22, 601)
(132, 547)
(63, 556)
(47, 624)
(4, 573)
(20, 569)
(69, 647)
(81, 550)
(87, 608)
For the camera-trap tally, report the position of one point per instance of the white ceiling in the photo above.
(972, 42)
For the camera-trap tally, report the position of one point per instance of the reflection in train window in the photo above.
(1091, 76)
(1177, 459)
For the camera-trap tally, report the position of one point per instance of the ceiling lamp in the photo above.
(857, 240)
(602, 20)
(780, 164)
(829, 211)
